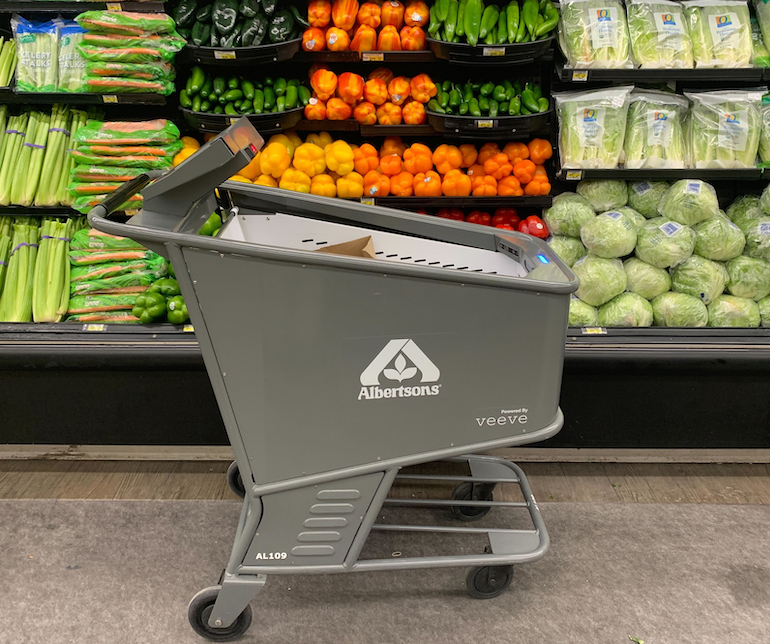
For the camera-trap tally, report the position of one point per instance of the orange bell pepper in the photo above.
(315, 110)
(338, 110)
(350, 186)
(476, 170)
(498, 166)
(540, 170)
(540, 151)
(350, 88)
(316, 66)
(516, 152)
(344, 13)
(319, 13)
(392, 14)
(427, 184)
(402, 184)
(392, 145)
(470, 154)
(487, 150)
(383, 73)
(389, 114)
(364, 40)
(323, 186)
(484, 186)
(412, 38)
(524, 171)
(337, 39)
(509, 187)
(365, 113)
(376, 91)
(365, 159)
(447, 157)
(538, 186)
(324, 84)
(417, 14)
(418, 158)
(422, 88)
(313, 39)
(391, 165)
(413, 113)
(370, 15)
(456, 184)
(398, 90)
(389, 39)
(376, 184)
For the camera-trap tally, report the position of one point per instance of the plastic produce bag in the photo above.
(636, 218)
(140, 71)
(663, 243)
(569, 249)
(655, 130)
(645, 279)
(582, 314)
(761, 56)
(92, 239)
(85, 257)
(71, 63)
(660, 38)
(77, 189)
(84, 203)
(689, 201)
(155, 132)
(626, 309)
(731, 311)
(762, 9)
(111, 317)
(700, 278)
(644, 196)
(603, 194)
(126, 22)
(172, 43)
(600, 279)
(567, 214)
(134, 282)
(758, 238)
(679, 309)
(609, 235)
(764, 135)
(37, 49)
(87, 303)
(718, 239)
(134, 161)
(121, 150)
(592, 126)
(594, 33)
(155, 267)
(125, 85)
(721, 32)
(125, 54)
(749, 277)
(91, 173)
(764, 310)
(745, 210)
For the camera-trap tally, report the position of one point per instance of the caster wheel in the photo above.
(235, 481)
(486, 582)
(472, 492)
(199, 612)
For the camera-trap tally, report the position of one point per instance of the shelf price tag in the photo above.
(594, 330)
(372, 56)
(579, 76)
(225, 55)
(367, 201)
(485, 123)
(188, 328)
(233, 119)
(94, 327)
(493, 51)
(114, 6)
(574, 175)
(109, 98)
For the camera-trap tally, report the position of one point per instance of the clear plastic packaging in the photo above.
(663, 243)
(37, 49)
(764, 135)
(72, 67)
(700, 278)
(600, 279)
(689, 201)
(126, 22)
(655, 130)
(731, 311)
(627, 310)
(660, 38)
(594, 33)
(761, 54)
(721, 32)
(679, 310)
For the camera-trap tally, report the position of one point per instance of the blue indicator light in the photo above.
(544, 259)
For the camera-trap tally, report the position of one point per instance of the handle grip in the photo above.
(116, 199)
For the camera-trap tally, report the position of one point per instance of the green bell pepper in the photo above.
(149, 308)
(224, 15)
(184, 13)
(281, 26)
(212, 225)
(167, 287)
(176, 310)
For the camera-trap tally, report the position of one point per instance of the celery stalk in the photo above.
(16, 298)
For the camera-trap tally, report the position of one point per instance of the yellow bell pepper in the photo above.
(282, 138)
(239, 179)
(321, 139)
(309, 158)
(265, 180)
(274, 159)
(295, 180)
(294, 138)
(351, 186)
(323, 185)
(339, 158)
(252, 170)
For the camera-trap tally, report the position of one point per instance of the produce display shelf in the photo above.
(711, 174)
(475, 203)
(398, 130)
(508, 54)
(39, 211)
(485, 127)
(366, 57)
(8, 95)
(265, 123)
(270, 53)
(727, 75)
(38, 6)
(348, 125)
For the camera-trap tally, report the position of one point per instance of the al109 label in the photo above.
(271, 555)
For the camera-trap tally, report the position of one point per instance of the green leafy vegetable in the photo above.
(721, 32)
(594, 33)
(731, 311)
(679, 309)
(600, 279)
(569, 249)
(749, 277)
(700, 278)
(718, 239)
(663, 243)
(655, 130)
(603, 194)
(660, 38)
(764, 310)
(644, 196)
(645, 279)
(609, 235)
(689, 201)
(567, 214)
(626, 309)
(582, 314)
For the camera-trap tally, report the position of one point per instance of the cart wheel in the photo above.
(199, 612)
(472, 492)
(486, 582)
(235, 481)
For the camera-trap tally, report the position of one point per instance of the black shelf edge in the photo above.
(398, 130)
(271, 53)
(39, 211)
(268, 123)
(7, 95)
(423, 56)
(627, 174)
(348, 125)
(722, 75)
(475, 203)
(36, 6)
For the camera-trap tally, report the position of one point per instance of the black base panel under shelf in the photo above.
(7, 95)
(384, 57)
(508, 54)
(474, 203)
(263, 54)
(712, 174)
(38, 6)
(698, 75)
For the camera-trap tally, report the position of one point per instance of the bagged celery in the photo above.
(172, 43)
(761, 54)
(126, 22)
(659, 35)
(134, 161)
(594, 33)
(85, 203)
(121, 150)
(142, 71)
(592, 127)
(98, 173)
(123, 85)
(90, 238)
(155, 132)
(764, 135)
(721, 32)
(655, 130)
(725, 128)
(37, 46)
(71, 64)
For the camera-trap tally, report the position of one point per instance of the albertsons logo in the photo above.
(589, 116)
(603, 15)
(724, 21)
(668, 19)
(400, 361)
(731, 118)
(659, 116)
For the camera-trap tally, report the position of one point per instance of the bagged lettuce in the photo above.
(689, 201)
(749, 277)
(725, 128)
(718, 239)
(764, 310)
(567, 214)
(592, 127)
(609, 235)
(644, 196)
(582, 314)
(600, 279)
(655, 130)
(762, 9)
(764, 135)
(761, 54)
(603, 194)
(764, 200)
(645, 279)
(679, 309)
(659, 35)
(626, 309)
(594, 33)
(663, 243)
(636, 218)
(700, 278)
(721, 32)
(569, 249)
(745, 210)
(731, 311)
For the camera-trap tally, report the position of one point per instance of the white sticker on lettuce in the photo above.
(763, 229)
(659, 124)
(725, 31)
(692, 188)
(614, 214)
(640, 187)
(590, 127)
(604, 28)
(670, 26)
(733, 130)
(670, 228)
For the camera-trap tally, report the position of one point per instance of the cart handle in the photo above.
(116, 199)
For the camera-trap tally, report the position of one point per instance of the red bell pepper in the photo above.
(534, 226)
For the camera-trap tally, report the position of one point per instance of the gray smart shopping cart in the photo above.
(333, 372)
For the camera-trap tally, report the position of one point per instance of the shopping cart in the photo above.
(333, 372)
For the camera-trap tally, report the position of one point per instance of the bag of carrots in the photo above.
(85, 203)
(172, 43)
(100, 173)
(103, 316)
(124, 85)
(155, 132)
(126, 22)
(92, 239)
(152, 54)
(141, 71)
(134, 161)
(93, 303)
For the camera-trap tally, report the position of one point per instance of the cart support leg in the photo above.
(237, 591)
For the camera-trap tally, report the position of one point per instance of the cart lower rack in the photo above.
(342, 367)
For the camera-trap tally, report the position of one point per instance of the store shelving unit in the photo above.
(38, 6)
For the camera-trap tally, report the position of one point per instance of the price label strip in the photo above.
(94, 327)
(110, 98)
(367, 201)
(114, 6)
(372, 56)
(225, 55)
(594, 330)
(188, 328)
(485, 123)
(493, 51)
(580, 76)
(574, 175)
